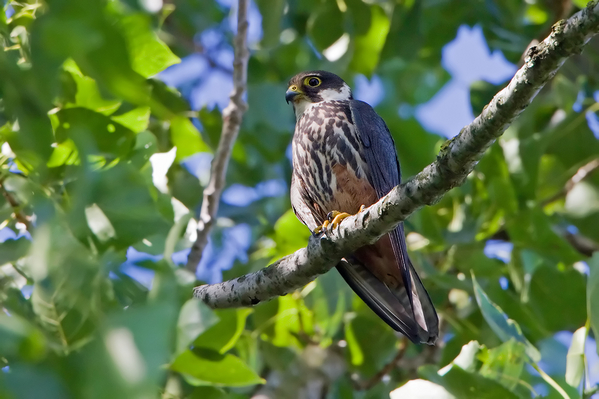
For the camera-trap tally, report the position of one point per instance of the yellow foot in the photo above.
(334, 218)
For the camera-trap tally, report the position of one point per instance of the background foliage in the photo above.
(94, 304)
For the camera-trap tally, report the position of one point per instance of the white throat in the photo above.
(300, 107)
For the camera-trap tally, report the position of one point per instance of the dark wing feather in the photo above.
(407, 308)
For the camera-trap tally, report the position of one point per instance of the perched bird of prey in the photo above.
(343, 159)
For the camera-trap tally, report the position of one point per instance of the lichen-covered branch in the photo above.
(232, 116)
(455, 161)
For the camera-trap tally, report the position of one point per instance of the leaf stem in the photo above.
(551, 381)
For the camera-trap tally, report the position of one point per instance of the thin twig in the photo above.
(582, 173)
(16, 207)
(580, 243)
(456, 160)
(232, 116)
(588, 393)
(387, 368)
(551, 381)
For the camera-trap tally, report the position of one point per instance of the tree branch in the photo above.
(232, 116)
(582, 173)
(387, 368)
(455, 161)
(17, 214)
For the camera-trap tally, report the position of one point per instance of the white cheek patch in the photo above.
(336, 95)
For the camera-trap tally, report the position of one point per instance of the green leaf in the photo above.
(215, 368)
(125, 196)
(287, 323)
(329, 300)
(463, 384)
(98, 223)
(130, 351)
(64, 153)
(272, 13)
(21, 339)
(369, 46)
(186, 138)
(223, 335)
(356, 354)
(532, 229)
(207, 392)
(375, 343)
(504, 327)
(137, 119)
(81, 125)
(467, 359)
(575, 361)
(504, 363)
(195, 318)
(580, 3)
(325, 25)
(149, 54)
(593, 295)
(18, 382)
(175, 234)
(88, 95)
(67, 287)
(565, 311)
(13, 250)
(290, 234)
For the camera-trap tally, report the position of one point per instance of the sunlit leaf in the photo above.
(504, 363)
(223, 335)
(368, 47)
(88, 95)
(575, 362)
(64, 153)
(290, 234)
(137, 119)
(186, 138)
(149, 54)
(357, 356)
(593, 295)
(195, 318)
(210, 366)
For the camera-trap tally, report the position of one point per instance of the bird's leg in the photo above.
(333, 220)
(321, 228)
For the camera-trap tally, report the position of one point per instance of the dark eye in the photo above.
(313, 82)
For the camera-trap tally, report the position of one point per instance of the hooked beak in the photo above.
(291, 93)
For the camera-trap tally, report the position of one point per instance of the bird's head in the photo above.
(313, 87)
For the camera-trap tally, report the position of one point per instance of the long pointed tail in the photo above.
(418, 322)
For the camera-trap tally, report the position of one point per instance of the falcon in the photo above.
(344, 159)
